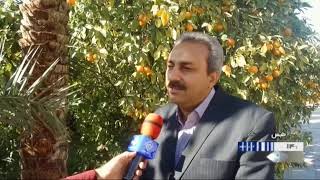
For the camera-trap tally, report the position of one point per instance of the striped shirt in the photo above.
(186, 129)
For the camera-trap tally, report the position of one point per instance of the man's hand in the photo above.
(118, 166)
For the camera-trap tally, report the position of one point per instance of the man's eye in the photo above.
(187, 68)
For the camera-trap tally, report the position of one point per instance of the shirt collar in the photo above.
(199, 110)
(204, 104)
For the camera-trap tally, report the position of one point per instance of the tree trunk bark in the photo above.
(44, 24)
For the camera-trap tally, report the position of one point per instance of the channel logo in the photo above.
(269, 146)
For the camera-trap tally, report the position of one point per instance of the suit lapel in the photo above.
(168, 146)
(206, 124)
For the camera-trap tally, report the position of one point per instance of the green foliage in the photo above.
(118, 52)
(9, 58)
(9, 27)
(9, 156)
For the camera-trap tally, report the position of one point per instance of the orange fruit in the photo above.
(269, 78)
(147, 71)
(276, 44)
(282, 51)
(276, 52)
(230, 42)
(287, 32)
(218, 27)
(143, 19)
(142, 23)
(71, 2)
(253, 69)
(269, 46)
(189, 27)
(276, 73)
(140, 69)
(264, 86)
(188, 15)
(227, 70)
(91, 57)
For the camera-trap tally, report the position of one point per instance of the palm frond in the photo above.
(36, 85)
(2, 50)
(15, 79)
(23, 106)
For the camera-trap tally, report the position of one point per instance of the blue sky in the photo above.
(313, 14)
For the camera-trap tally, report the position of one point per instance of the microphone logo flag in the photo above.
(144, 146)
(151, 146)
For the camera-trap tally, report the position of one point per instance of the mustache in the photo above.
(177, 85)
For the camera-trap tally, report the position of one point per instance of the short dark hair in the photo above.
(215, 55)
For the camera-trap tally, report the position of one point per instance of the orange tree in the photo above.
(119, 51)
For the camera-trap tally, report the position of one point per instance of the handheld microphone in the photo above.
(143, 144)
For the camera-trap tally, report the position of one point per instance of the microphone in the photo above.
(144, 144)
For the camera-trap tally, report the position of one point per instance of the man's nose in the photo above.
(174, 74)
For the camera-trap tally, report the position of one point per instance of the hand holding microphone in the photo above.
(143, 144)
(141, 147)
(116, 168)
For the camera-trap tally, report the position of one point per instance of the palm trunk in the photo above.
(44, 24)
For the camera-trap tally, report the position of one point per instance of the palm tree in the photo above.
(31, 113)
(34, 99)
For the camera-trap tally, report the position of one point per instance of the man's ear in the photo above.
(214, 77)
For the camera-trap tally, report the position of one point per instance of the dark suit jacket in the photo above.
(212, 150)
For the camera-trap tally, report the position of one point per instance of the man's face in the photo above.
(187, 78)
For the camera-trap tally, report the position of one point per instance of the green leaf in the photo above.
(118, 83)
(8, 67)
(157, 54)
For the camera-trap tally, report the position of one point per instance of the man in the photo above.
(203, 125)
(116, 168)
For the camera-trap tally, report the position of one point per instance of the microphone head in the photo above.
(151, 126)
